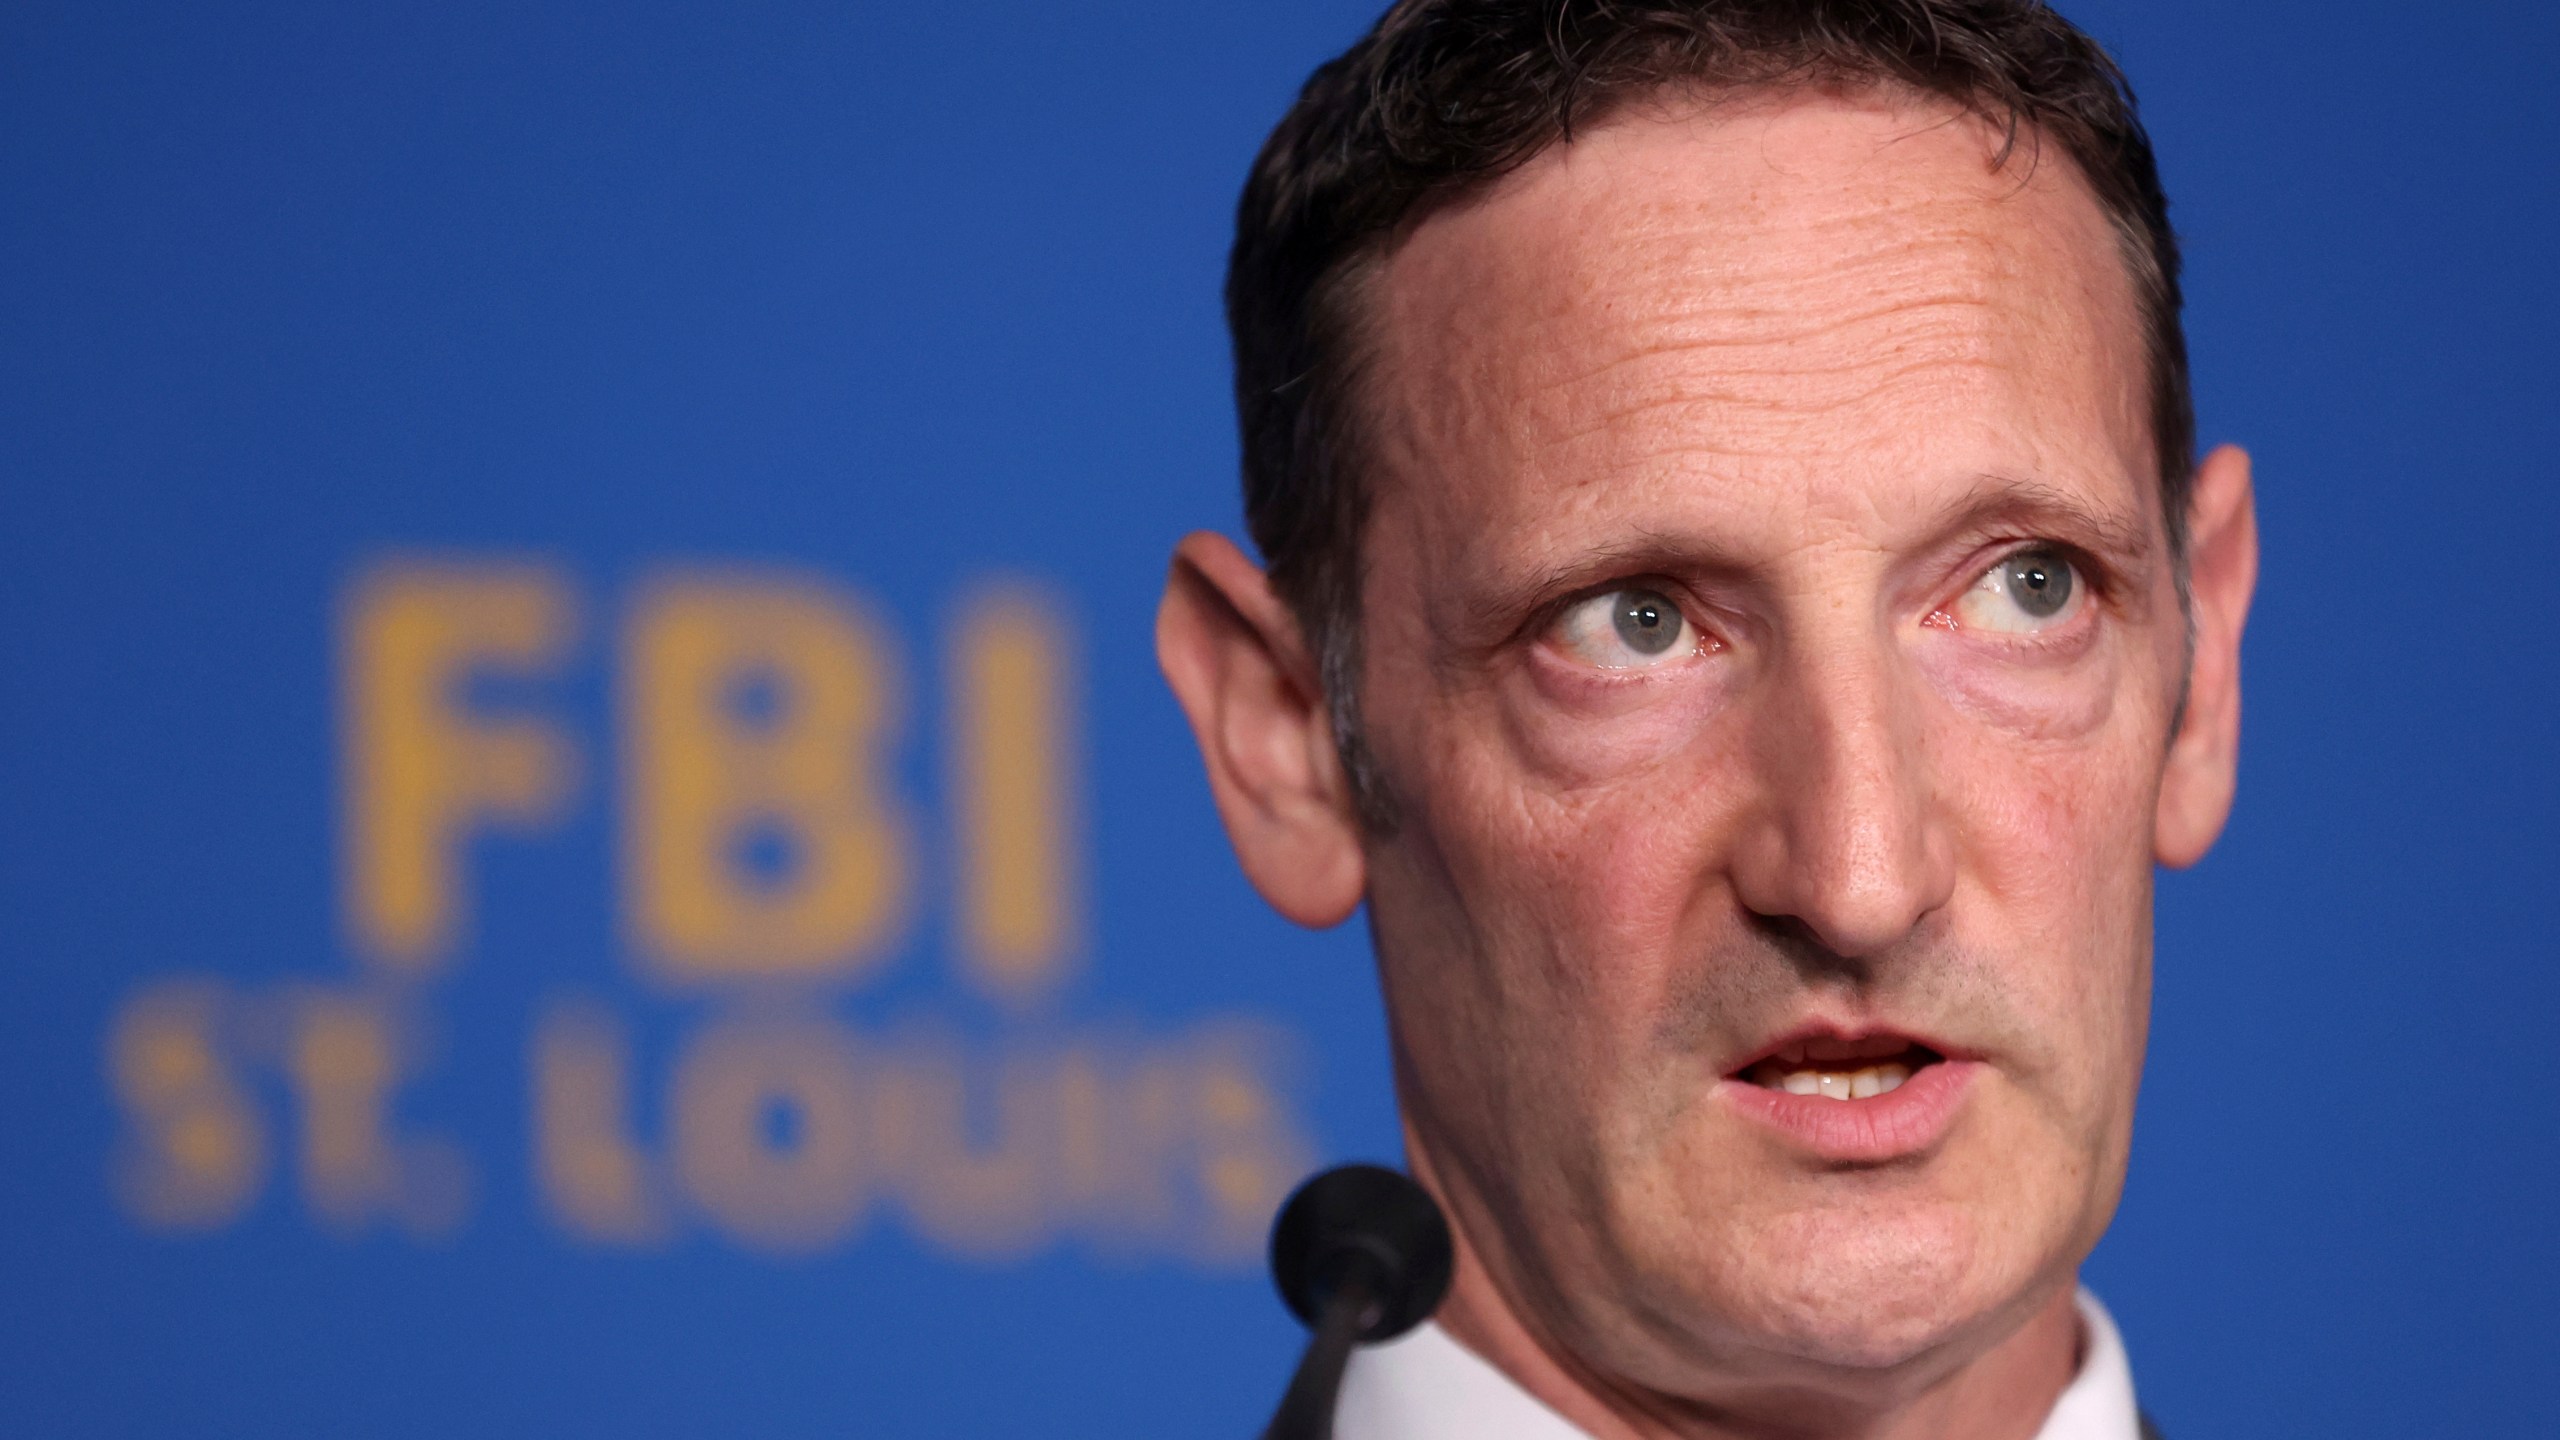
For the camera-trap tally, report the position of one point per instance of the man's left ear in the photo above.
(2222, 571)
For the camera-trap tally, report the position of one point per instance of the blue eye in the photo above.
(1645, 621)
(1626, 629)
(2027, 591)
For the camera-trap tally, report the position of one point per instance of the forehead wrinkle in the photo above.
(1730, 274)
(1738, 338)
(1753, 275)
(1708, 404)
(1722, 395)
(1799, 358)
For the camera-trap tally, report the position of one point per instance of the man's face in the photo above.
(1770, 646)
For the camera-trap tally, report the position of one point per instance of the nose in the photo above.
(1848, 838)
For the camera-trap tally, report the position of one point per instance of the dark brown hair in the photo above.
(1446, 95)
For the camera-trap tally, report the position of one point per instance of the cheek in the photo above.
(2045, 825)
(2057, 879)
(1625, 782)
(1556, 907)
(2050, 772)
(1582, 887)
(1571, 816)
(1570, 730)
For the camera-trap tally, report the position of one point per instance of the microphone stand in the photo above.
(1306, 1411)
(1360, 1253)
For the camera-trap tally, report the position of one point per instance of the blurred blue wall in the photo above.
(464, 468)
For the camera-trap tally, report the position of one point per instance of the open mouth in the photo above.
(1836, 1068)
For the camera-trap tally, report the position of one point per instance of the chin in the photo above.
(1899, 1292)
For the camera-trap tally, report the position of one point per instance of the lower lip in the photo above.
(1904, 1121)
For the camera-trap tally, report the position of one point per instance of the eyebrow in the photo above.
(2127, 539)
(1644, 551)
(1994, 500)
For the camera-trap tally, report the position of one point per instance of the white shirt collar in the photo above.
(1427, 1386)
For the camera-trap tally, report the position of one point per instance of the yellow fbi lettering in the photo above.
(1014, 785)
(765, 864)
(759, 713)
(756, 710)
(421, 771)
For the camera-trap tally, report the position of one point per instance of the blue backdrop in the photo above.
(591, 844)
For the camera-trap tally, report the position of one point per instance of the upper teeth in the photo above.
(1833, 1084)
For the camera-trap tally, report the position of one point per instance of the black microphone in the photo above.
(1361, 1255)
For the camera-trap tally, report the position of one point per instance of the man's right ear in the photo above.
(1235, 658)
